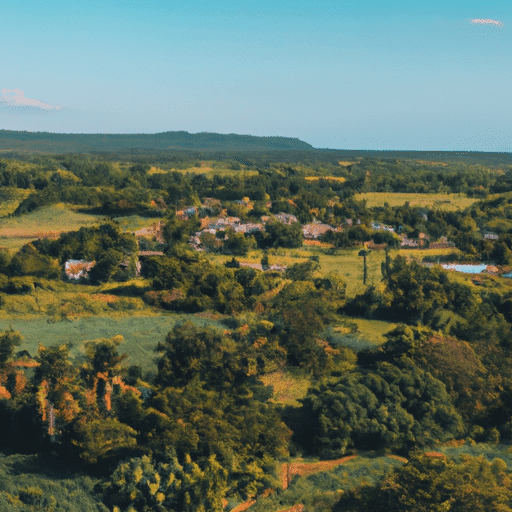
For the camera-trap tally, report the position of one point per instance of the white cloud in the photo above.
(486, 21)
(15, 98)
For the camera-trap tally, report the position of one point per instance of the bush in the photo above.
(20, 286)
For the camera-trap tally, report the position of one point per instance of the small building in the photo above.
(190, 211)
(76, 269)
(408, 243)
(315, 230)
(286, 218)
(489, 235)
(249, 227)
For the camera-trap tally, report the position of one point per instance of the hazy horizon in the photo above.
(338, 75)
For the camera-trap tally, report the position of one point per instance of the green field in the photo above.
(209, 168)
(448, 202)
(327, 486)
(369, 334)
(45, 482)
(141, 334)
(59, 218)
(346, 262)
(10, 198)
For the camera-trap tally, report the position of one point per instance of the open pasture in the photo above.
(141, 334)
(48, 219)
(288, 386)
(447, 202)
(210, 168)
(339, 179)
(51, 221)
(10, 198)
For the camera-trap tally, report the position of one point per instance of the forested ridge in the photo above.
(198, 430)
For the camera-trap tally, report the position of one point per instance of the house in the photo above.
(153, 231)
(442, 243)
(489, 235)
(409, 243)
(76, 269)
(286, 218)
(315, 230)
(276, 268)
(379, 226)
(190, 211)
(249, 227)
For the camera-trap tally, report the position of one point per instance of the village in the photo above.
(214, 231)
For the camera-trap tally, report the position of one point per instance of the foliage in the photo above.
(388, 407)
(25, 485)
(192, 352)
(9, 340)
(431, 482)
(142, 484)
(29, 262)
(278, 234)
(99, 440)
(245, 434)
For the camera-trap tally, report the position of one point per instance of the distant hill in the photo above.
(45, 142)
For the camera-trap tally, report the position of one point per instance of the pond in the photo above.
(467, 269)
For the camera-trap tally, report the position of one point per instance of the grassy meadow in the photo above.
(10, 198)
(345, 261)
(447, 202)
(53, 220)
(288, 386)
(44, 482)
(209, 168)
(141, 333)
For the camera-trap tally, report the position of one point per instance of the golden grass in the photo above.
(419, 254)
(431, 201)
(373, 330)
(427, 162)
(156, 170)
(10, 198)
(340, 179)
(349, 266)
(287, 387)
(53, 219)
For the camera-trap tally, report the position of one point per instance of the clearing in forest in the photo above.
(448, 202)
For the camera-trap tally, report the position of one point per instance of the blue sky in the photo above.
(347, 75)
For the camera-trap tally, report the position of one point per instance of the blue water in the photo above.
(468, 269)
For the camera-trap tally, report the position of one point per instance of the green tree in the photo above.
(302, 271)
(142, 484)
(196, 352)
(431, 482)
(386, 407)
(236, 243)
(106, 266)
(102, 356)
(102, 440)
(28, 261)
(9, 340)
(364, 253)
(278, 234)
